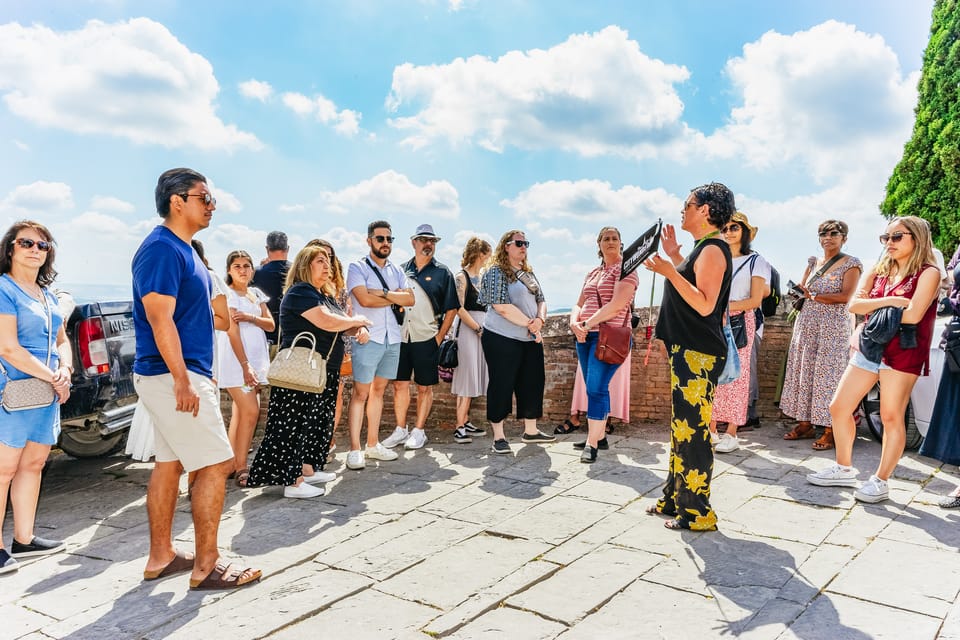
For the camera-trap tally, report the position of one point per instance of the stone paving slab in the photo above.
(509, 623)
(837, 617)
(554, 520)
(784, 519)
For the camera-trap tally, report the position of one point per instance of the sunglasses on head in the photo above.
(519, 243)
(27, 243)
(829, 234)
(382, 239)
(208, 198)
(896, 237)
(730, 228)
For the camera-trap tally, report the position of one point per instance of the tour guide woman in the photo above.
(34, 344)
(691, 325)
(603, 298)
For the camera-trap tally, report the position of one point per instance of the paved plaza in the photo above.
(451, 541)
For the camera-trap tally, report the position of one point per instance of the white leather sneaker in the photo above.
(399, 436)
(355, 460)
(418, 438)
(727, 443)
(320, 477)
(303, 490)
(380, 452)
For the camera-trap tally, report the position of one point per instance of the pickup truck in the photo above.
(96, 418)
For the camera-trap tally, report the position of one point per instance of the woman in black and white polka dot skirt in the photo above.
(299, 423)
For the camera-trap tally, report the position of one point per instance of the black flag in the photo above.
(641, 249)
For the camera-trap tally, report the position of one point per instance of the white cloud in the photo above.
(256, 89)
(345, 122)
(292, 208)
(23, 146)
(130, 79)
(226, 201)
(558, 201)
(109, 203)
(390, 193)
(594, 94)
(832, 97)
(83, 255)
(38, 198)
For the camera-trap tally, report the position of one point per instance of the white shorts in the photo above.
(197, 442)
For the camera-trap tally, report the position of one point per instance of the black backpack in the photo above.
(770, 303)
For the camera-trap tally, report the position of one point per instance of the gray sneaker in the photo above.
(539, 436)
(501, 446)
(834, 476)
(7, 562)
(873, 490)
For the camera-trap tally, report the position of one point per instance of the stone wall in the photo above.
(650, 379)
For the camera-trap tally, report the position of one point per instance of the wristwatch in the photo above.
(813, 296)
(583, 325)
(385, 292)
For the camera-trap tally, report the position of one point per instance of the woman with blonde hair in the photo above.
(512, 344)
(470, 377)
(299, 427)
(901, 289)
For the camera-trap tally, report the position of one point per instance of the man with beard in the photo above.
(424, 327)
(380, 291)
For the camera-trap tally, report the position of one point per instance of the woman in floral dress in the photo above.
(820, 346)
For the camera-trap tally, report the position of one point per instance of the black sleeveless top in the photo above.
(680, 324)
(471, 296)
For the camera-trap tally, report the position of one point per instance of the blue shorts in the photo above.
(860, 362)
(375, 360)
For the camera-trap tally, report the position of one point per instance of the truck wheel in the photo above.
(870, 407)
(90, 444)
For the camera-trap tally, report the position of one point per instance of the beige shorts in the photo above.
(197, 442)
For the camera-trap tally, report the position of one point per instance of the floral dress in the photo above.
(819, 350)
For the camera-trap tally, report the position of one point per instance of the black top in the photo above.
(299, 299)
(270, 278)
(437, 281)
(471, 296)
(680, 324)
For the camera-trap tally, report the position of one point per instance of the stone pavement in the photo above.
(451, 541)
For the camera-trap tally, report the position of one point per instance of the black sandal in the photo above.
(566, 427)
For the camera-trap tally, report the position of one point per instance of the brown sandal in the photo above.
(803, 431)
(825, 442)
(242, 476)
(180, 563)
(227, 576)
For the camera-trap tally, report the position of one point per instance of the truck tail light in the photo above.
(93, 346)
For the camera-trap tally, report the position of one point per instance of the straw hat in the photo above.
(741, 218)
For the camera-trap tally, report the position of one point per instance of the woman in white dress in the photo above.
(470, 376)
(244, 356)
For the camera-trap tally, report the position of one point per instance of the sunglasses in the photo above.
(27, 243)
(896, 237)
(208, 199)
(519, 243)
(382, 239)
(426, 239)
(730, 228)
(829, 234)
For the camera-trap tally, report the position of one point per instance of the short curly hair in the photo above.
(720, 200)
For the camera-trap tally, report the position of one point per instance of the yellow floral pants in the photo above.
(686, 494)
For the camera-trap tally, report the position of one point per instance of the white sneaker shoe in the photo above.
(873, 490)
(399, 436)
(835, 476)
(418, 438)
(380, 452)
(320, 477)
(714, 439)
(303, 490)
(355, 460)
(727, 443)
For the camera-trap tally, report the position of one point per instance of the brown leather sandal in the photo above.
(825, 442)
(803, 431)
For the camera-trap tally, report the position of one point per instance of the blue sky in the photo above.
(476, 116)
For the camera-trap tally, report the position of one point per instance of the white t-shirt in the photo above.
(742, 281)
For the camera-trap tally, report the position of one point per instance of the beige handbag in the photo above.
(301, 368)
(29, 393)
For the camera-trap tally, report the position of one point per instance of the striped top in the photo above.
(601, 282)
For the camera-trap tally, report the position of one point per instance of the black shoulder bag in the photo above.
(398, 312)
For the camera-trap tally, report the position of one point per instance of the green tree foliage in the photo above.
(926, 182)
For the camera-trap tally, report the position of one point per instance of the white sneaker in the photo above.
(418, 438)
(380, 452)
(355, 460)
(835, 476)
(399, 436)
(873, 490)
(319, 477)
(727, 443)
(303, 490)
(714, 439)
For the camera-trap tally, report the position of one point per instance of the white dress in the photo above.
(253, 338)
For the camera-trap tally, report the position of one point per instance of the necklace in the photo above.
(32, 289)
(712, 234)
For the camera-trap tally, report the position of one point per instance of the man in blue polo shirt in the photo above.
(426, 324)
(172, 374)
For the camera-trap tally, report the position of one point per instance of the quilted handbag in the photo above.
(300, 368)
(29, 393)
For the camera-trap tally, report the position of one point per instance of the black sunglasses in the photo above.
(830, 234)
(519, 243)
(27, 243)
(730, 228)
(208, 198)
(382, 239)
(896, 237)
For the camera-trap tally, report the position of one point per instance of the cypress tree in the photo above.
(926, 182)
